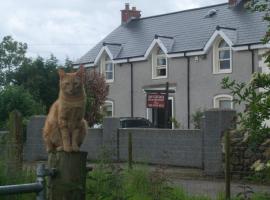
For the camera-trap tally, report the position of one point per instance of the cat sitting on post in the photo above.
(65, 127)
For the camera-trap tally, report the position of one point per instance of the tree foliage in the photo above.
(256, 97)
(96, 91)
(12, 56)
(39, 77)
(17, 98)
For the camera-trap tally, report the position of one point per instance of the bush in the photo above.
(110, 182)
(16, 98)
(196, 118)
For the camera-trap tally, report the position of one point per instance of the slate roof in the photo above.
(189, 30)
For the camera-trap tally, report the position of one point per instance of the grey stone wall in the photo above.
(93, 143)
(34, 148)
(160, 146)
(186, 148)
(215, 123)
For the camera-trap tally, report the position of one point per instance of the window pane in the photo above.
(161, 72)
(224, 54)
(161, 61)
(223, 44)
(225, 104)
(108, 109)
(109, 75)
(224, 64)
(109, 67)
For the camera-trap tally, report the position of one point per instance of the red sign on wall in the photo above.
(155, 101)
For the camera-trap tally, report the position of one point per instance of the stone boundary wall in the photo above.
(186, 148)
(159, 146)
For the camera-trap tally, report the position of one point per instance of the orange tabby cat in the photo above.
(65, 127)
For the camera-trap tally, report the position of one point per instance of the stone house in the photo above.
(192, 50)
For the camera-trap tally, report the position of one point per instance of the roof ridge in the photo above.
(181, 11)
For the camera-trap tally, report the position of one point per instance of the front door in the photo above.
(158, 116)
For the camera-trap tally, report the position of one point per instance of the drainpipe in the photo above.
(188, 89)
(252, 59)
(131, 89)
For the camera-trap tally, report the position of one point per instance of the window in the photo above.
(159, 64)
(223, 101)
(108, 108)
(107, 67)
(222, 57)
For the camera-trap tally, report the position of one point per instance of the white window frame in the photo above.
(112, 104)
(155, 66)
(216, 60)
(217, 98)
(104, 62)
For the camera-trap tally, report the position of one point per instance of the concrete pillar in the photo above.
(110, 136)
(34, 148)
(216, 121)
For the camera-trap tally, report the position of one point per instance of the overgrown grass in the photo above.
(17, 178)
(111, 182)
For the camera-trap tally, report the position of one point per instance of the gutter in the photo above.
(188, 89)
(131, 89)
(252, 59)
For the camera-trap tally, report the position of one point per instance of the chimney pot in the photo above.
(127, 6)
(127, 14)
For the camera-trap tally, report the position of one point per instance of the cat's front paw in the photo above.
(68, 149)
(75, 148)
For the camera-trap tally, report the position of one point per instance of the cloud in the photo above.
(71, 27)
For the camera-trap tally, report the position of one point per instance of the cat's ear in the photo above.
(81, 72)
(61, 73)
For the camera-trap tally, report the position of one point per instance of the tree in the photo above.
(256, 96)
(17, 98)
(96, 91)
(40, 78)
(12, 55)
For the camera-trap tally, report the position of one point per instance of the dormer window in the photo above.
(107, 68)
(159, 64)
(222, 57)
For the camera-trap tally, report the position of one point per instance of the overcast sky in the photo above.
(69, 28)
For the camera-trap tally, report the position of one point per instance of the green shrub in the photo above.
(16, 98)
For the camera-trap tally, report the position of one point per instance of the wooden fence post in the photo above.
(227, 166)
(130, 156)
(69, 182)
(14, 146)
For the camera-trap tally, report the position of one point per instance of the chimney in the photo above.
(127, 14)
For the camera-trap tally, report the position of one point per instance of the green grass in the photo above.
(17, 178)
(110, 182)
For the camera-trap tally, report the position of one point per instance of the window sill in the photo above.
(159, 77)
(223, 72)
(109, 81)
